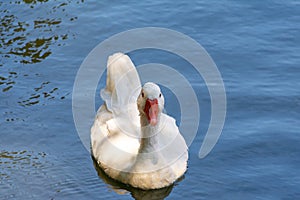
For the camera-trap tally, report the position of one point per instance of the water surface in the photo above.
(255, 45)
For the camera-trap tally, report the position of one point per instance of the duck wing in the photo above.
(114, 134)
(122, 83)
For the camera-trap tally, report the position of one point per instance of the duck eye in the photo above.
(143, 94)
(160, 95)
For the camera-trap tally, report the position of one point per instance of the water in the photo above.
(255, 45)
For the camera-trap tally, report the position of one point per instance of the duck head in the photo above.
(150, 103)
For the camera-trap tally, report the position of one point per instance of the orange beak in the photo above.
(151, 110)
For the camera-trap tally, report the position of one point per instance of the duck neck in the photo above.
(149, 139)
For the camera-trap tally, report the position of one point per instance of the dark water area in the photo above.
(255, 45)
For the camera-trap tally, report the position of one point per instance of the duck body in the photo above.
(131, 139)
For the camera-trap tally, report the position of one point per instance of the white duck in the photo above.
(132, 140)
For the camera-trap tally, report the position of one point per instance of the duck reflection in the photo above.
(136, 193)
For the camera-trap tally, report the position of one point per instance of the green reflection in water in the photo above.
(13, 161)
(42, 93)
(16, 41)
(28, 38)
(34, 1)
(8, 81)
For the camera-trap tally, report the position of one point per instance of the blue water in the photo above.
(255, 45)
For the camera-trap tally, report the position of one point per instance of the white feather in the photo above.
(117, 136)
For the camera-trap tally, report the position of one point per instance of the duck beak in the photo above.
(151, 110)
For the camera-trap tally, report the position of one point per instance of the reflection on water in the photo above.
(11, 162)
(8, 81)
(17, 42)
(41, 94)
(30, 37)
(136, 193)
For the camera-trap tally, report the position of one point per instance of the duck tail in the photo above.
(121, 81)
